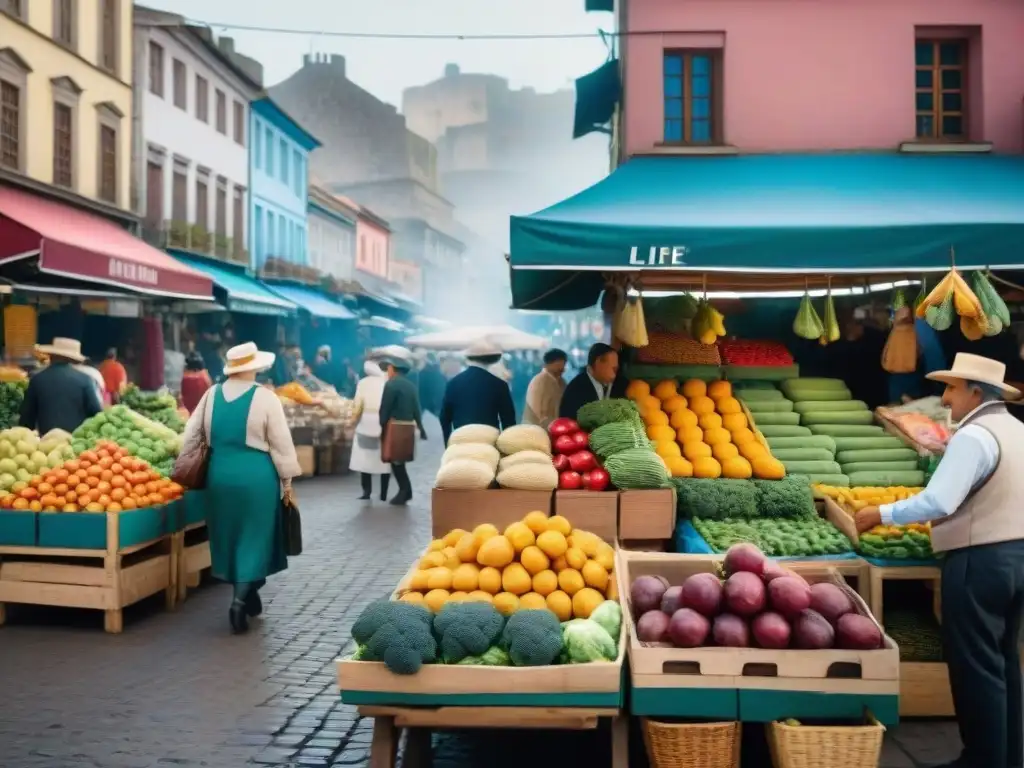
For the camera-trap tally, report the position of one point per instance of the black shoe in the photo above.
(253, 604)
(364, 497)
(237, 617)
(400, 500)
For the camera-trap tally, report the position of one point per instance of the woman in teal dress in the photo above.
(251, 466)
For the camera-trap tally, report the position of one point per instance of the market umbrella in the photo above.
(457, 339)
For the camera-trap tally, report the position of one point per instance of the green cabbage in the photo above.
(584, 640)
(609, 615)
(492, 657)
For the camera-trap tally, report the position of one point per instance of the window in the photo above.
(15, 8)
(64, 22)
(12, 112)
(156, 70)
(941, 81)
(108, 35)
(257, 133)
(180, 85)
(222, 209)
(238, 222)
(202, 99)
(283, 148)
(282, 243)
(270, 153)
(297, 168)
(258, 231)
(692, 95)
(239, 125)
(222, 112)
(202, 203)
(63, 142)
(154, 194)
(271, 242)
(179, 195)
(108, 164)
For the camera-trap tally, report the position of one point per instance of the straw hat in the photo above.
(247, 357)
(70, 349)
(967, 367)
(483, 348)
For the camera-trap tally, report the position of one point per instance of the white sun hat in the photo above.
(247, 357)
(483, 348)
(71, 349)
(967, 367)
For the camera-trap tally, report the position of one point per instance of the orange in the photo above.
(103, 500)
(106, 461)
(44, 488)
(118, 482)
(93, 507)
(88, 456)
(59, 501)
(105, 475)
(155, 499)
(139, 490)
(48, 499)
(35, 505)
(62, 474)
(95, 470)
(69, 508)
(20, 503)
(103, 487)
(60, 489)
(117, 494)
(71, 496)
(128, 503)
(29, 493)
(114, 507)
(92, 481)
(81, 489)
(71, 465)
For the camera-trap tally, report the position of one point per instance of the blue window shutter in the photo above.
(599, 5)
(597, 95)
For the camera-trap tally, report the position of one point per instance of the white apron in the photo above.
(366, 448)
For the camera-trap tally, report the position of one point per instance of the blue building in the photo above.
(278, 177)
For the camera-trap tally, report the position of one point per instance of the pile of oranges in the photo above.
(105, 479)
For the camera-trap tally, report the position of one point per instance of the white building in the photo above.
(191, 154)
(332, 233)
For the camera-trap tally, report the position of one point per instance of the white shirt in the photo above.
(602, 390)
(971, 457)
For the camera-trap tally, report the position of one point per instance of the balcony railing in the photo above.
(194, 239)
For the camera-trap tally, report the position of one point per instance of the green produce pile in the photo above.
(805, 536)
(24, 454)
(12, 393)
(143, 438)
(405, 636)
(161, 407)
(916, 632)
(601, 412)
(897, 544)
(720, 499)
(619, 437)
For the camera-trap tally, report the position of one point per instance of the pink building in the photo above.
(373, 243)
(799, 76)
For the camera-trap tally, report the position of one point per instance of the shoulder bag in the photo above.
(190, 466)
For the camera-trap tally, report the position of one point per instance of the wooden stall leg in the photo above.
(113, 621)
(384, 747)
(418, 750)
(175, 557)
(192, 580)
(620, 742)
(877, 588)
(864, 583)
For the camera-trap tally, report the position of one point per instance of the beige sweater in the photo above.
(267, 429)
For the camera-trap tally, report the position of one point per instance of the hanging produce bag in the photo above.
(900, 353)
(708, 324)
(629, 323)
(950, 298)
(992, 304)
(807, 324)
(831, 332)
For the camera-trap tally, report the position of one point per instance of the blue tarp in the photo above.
(827, 213)
(243, 293)
(314, 302)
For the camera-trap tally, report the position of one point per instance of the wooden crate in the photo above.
(307, 459)
(751, 684)
(924, 690)
(106, 579)
(591, 511)
(595, 685)
(451, 509)
(193, 548)
(647, 515)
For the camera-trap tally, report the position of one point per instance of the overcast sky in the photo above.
(386, 67)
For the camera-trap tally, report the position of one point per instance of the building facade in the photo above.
(279, 178)
(66, 100)
(191, 163)
(942, 76)
(373, 246)
(332, 233)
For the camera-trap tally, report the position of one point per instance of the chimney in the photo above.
(338, 64)
(226, 45)
(451, 70)
(305, 60)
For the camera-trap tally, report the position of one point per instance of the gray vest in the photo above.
(994, 511)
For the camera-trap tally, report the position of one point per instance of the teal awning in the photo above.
(314, 302)
(829, 214)
(236, 290)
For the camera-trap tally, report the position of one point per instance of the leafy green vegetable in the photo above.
(806, 536)
(609, 615)
(533, 638)
(601, 412)
(585, 641)
(492, 657)
(790, 497)
(715, 499)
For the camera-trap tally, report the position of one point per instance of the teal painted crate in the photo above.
(194, 506)
(175, 516)
(88, 530)
(764, 706)
(711, 703)
(18, 528)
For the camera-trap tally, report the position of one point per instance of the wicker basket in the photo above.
(826, 746)
(692, 745)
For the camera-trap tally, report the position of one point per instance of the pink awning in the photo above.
(84, 246)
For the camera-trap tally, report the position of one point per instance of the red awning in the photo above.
(84, 246)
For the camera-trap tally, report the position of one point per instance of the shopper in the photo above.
(600, 380)
(115, 377)
(432, 383)
(59, 396)
(366, 457)
(544, 394)
(251, 466)
(973, 503)
(194, 381)
(477, 395)
(399, 417)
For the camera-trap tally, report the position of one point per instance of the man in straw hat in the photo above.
(59, 396)
(974, 504)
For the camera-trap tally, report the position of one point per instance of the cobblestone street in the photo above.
(177, 689)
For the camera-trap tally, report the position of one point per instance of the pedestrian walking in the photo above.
(366, 454)
(600, 380)
(477, 395)
(399, 417)
(115, 377)
(251, 465)
(544, 394)
(973, 504)
(59, 396)
(194, 381)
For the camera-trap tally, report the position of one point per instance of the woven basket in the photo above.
(826, 746)
(692, 745)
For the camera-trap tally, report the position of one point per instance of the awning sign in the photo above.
(132, 272)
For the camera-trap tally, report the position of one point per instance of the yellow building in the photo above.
(66, 99)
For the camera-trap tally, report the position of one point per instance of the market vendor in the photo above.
(973, 502)
(544, 394)
(600, 380)
(59, 396)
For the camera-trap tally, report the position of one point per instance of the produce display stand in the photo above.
(445, 696)
(451, 509)
(752, 684)
(594, 511)
(101, 561)
(647, 519)
(193, 543)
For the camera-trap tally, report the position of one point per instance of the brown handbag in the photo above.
(190, 467)
(292, 523)
(398, 444)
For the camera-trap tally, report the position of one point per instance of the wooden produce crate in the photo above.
(647, 515)
(193, 557)
(597, 512)
(18, 528)
(451, 509)
(751, 684)
(102, 561)
(307, 459)
(924, 689)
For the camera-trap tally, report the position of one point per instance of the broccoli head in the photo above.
(467, 629)
(398, 634)
(532, 637)
(492, 657)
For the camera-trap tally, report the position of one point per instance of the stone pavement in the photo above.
(176, 689)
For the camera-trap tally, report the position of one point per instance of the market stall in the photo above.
(321, 425)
